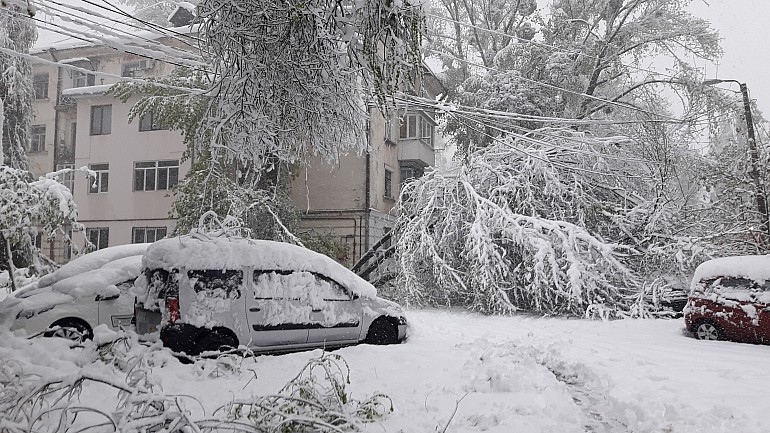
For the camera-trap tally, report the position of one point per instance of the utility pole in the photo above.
(761, 197)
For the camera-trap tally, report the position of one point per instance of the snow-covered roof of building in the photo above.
(87, 90)
(197, 252)
(755, 268)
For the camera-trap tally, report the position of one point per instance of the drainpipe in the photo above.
(56, 126)
(368, 185)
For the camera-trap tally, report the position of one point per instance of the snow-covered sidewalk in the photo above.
(462, 372)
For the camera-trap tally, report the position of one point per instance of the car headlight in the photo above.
(26, 314)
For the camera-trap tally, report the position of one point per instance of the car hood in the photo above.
(377, 306)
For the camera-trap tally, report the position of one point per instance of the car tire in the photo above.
(707, 330)
(382, 331)
(72, 329)
(216, 340)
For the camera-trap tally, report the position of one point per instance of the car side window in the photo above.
(214, 283)
(732, 284)
(298, 285)
(331, 290)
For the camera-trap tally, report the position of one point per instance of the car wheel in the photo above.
(382, 331)
(706, 330)
(71, 329)
(216, 340)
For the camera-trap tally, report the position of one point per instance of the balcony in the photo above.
(416, 150)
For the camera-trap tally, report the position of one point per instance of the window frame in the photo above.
(82, 79)
(102, 237)
(67, 179)
(40, 84)
(101, 184)
(37, 138)
(153, 124)
(104, 126)
(142, 175)
(388, 190)
(144, 231)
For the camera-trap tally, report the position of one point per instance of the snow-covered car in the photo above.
(86, 292)
(205, 293)
(730, 299)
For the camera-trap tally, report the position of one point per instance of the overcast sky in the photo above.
(744, 26)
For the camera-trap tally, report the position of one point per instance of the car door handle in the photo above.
(316, 311)
(254, 310)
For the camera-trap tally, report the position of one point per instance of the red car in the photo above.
(730, 300)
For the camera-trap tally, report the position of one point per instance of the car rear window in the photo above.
(161, 284)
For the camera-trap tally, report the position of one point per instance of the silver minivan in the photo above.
(204, 293)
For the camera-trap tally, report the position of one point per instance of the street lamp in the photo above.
(753, 154)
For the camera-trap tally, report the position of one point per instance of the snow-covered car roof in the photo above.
(199, 252)
(755, 268)
(91, 261)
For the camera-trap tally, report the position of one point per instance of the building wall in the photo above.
(123, 147)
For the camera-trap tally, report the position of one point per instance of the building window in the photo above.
(140, 235)
(417, 126)
(67, 179)
(388, 183)
(37, 138)
(408, 173)
(40, 86)
(155, 175)
(101, 119)
(136, 69)
(81, 79)
(101, 182)
(427, 131)
(98, 236)
(151, 122)
(409, 126)
(67, 247)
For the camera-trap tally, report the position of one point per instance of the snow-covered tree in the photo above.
(31, 207)
(589, 61)
(17, 33)
(292, 78)
(555, 221)
(151, 11)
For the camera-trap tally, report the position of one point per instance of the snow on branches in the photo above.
(292, 78)
(523, 225)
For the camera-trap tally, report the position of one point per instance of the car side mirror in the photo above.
(106, 298)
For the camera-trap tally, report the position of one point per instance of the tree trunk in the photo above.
(9, 258)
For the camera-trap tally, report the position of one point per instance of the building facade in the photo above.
(135, 165)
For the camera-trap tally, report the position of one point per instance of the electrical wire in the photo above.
(68, 16)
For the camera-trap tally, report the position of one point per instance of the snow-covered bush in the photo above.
(122, 372)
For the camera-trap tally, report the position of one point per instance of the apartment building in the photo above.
(78, 124)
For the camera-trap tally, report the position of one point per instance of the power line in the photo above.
(31, 57)
(139, 50)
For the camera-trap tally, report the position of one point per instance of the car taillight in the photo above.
(173, 309)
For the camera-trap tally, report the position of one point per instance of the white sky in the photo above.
(744, 26)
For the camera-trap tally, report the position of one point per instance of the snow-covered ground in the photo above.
(462, 372)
